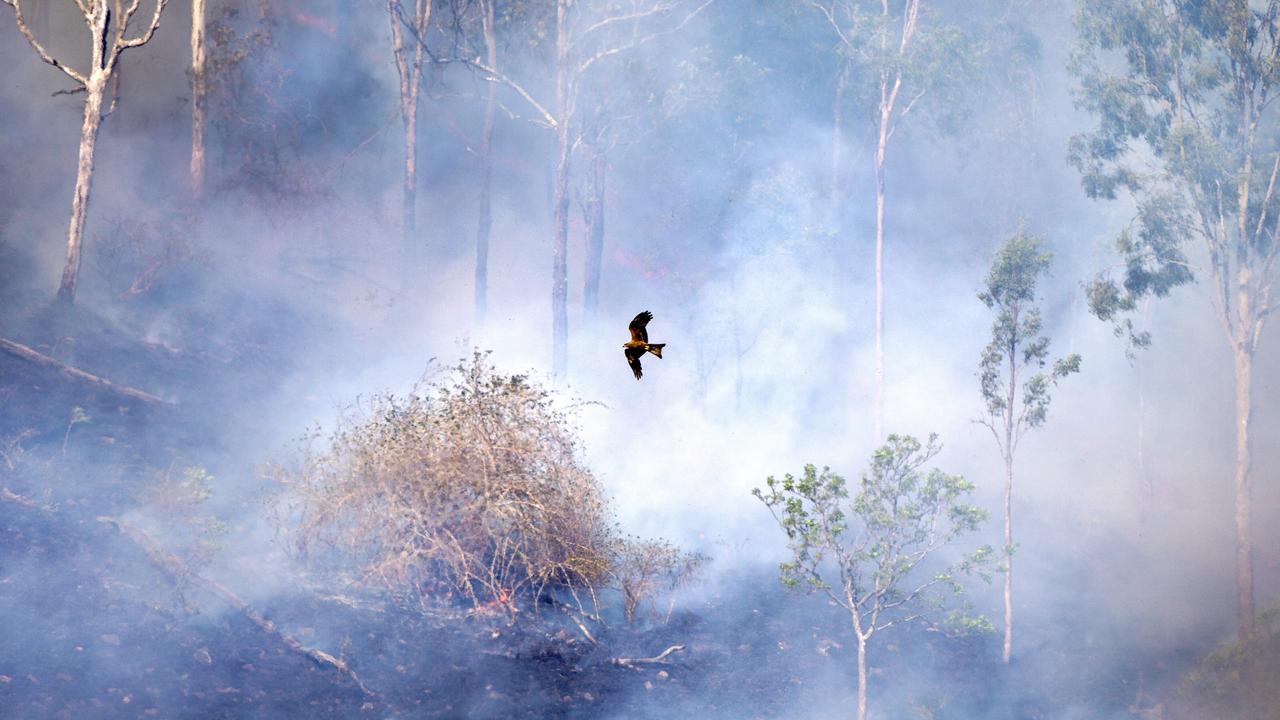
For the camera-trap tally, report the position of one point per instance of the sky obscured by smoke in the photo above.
(719, 222)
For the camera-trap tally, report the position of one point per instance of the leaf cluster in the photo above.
(1179, 92)
(1017, 341)
(867, 550)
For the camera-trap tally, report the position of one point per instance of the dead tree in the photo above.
(108, 26)
(409, 60)
(199, 95)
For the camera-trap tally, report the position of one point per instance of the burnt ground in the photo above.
(95, 627)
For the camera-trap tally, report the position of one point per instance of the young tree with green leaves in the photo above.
(902, 64)
(1018, 351)
(1182, 95)
(868, 552)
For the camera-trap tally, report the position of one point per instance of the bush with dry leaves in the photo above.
(467, 490)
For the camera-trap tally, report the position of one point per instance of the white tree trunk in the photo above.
(862, 678)
(560, 248)
(485, 223)
(1244, 495)
(879, 271)
(199, 91)
(95, 90)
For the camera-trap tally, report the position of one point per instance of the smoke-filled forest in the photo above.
(639, 359)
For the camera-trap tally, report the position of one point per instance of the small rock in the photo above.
(648, 685)
(663, 674)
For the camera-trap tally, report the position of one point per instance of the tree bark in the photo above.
(1243, 494)
(199, 90)
(559, 260)
(486, 171)
(95, 89)
(560, 249)
(1007, 651)
(595, 231)
(862, 677)
(1009, 429)
(410, 72)
(879, 271)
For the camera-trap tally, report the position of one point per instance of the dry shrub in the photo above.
(646, 569)
(470, 491)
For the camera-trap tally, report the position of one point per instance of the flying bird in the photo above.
(639, 343)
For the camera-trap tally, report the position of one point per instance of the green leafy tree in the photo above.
(868, 552)
(1018, 351)
(1182, 95)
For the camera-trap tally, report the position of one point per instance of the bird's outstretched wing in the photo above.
(637, 329)
(633, 358)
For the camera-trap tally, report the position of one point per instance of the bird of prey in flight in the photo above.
(639, 343)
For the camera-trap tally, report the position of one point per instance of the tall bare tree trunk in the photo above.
(881, 146)
(486, 170)
(409, 219)
(862, 677)
(560, 250)
(1007, 651)
(1010, 422)
(410, 72)
(1244, 494)
(595, 230)
(559, 261)
(199, 90)
(95, 89)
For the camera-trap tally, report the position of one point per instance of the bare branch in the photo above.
(31, 38)
(657, 9)
(829, 14)
(642, 39)
(498, 77)
(145, 37)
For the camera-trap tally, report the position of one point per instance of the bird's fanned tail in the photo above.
(656, 349)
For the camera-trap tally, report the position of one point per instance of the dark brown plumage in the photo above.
(639, 343)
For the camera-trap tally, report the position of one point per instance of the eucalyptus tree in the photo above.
(872, 553)
(108, 25)
(1182, 95)
(897, 60)
(1018, 351)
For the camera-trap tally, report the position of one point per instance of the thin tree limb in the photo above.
(31, 38)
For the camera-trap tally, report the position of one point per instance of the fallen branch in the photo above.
(22, 351)
(659, 659)
(173, 565)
